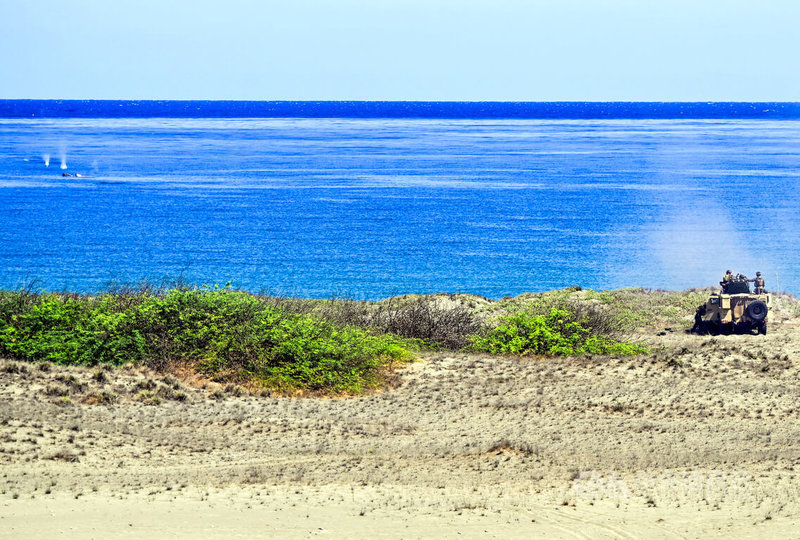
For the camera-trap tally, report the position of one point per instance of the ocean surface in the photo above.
(378, 199)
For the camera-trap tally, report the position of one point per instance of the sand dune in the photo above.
(698, 439)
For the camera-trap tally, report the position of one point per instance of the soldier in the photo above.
(758, 283)
(726, 280)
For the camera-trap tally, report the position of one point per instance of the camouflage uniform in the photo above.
(758, 283)
(726, 279)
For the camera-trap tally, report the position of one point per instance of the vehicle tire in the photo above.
(762, 328)
(757, 311)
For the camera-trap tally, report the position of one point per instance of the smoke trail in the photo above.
(696, 244)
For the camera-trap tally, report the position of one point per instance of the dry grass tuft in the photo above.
(64, 455)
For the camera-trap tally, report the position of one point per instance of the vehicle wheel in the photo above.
(762, 328)
(757, 311)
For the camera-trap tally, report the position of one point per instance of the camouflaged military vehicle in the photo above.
(734, 310)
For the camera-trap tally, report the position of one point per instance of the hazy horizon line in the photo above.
(704, 102)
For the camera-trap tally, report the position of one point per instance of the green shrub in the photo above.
(556, 333)
(66, 330)
(226, 334)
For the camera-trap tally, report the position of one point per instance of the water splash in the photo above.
(46, 158)
(62, 153)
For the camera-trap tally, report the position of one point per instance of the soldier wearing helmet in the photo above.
(758, 284)
(726, 280)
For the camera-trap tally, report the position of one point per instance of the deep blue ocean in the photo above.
(370, 200)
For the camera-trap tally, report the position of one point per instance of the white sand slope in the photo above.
(699, 439)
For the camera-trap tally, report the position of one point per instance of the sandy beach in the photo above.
(697, 439)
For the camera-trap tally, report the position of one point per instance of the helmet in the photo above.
(758, 273)
(728, 272)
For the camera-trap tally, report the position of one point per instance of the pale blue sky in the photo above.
(615, 50)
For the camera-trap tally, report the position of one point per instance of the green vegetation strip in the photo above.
(229, 335)
(330, 346)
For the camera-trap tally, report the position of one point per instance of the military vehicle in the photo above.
(734, 310)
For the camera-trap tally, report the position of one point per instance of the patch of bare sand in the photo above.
(698, 439)
(363, 513)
